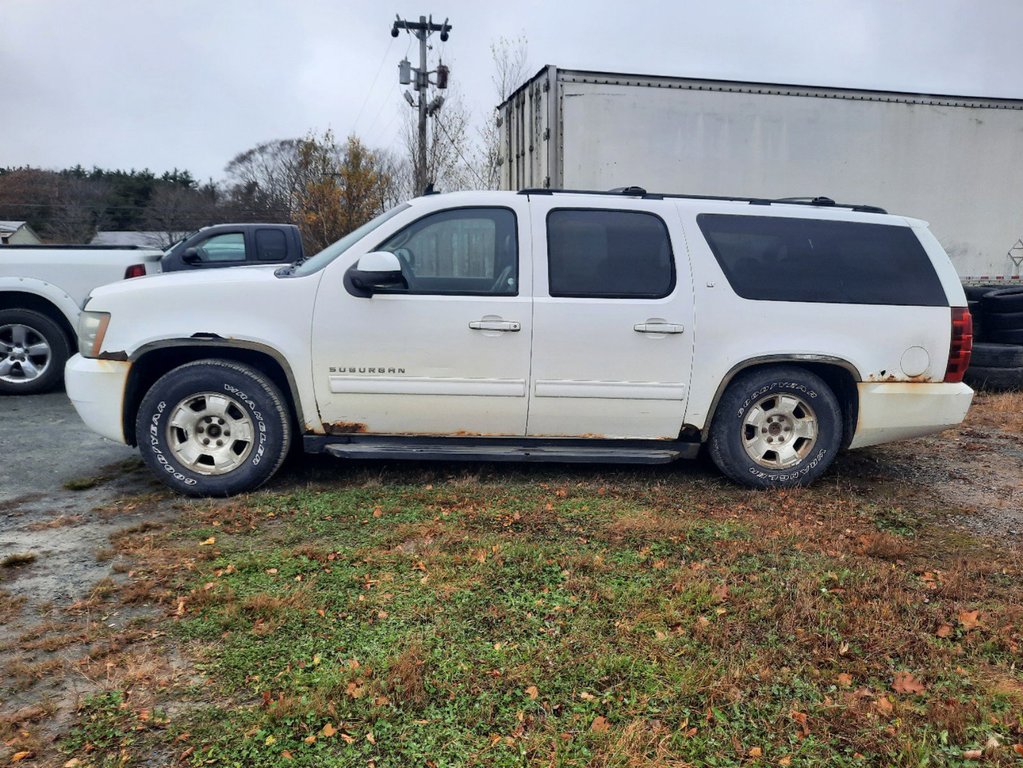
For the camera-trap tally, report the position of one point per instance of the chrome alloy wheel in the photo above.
(210, 433)
(24, 353)
(779, 431)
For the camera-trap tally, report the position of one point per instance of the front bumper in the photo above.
(899, 410)
(96, 389)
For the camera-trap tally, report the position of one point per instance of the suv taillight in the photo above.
(961, 346)
(135, 270)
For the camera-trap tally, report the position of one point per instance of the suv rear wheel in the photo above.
(213, 428)
(776, 427)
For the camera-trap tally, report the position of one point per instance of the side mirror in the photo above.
(191, 256)
(377, 271)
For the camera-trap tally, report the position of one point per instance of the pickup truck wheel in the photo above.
(33, 350)
(776, 428)
(213, 428)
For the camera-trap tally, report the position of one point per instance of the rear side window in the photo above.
(608, 254)
(271, 245)
(835, 262)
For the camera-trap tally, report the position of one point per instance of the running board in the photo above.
(454, 449)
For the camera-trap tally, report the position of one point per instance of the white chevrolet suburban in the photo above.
(542, 326)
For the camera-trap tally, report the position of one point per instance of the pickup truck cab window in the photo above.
(608, 254)
(229, 246)
(271, 245)
(464, 252)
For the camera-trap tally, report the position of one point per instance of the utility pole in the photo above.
(422, 29)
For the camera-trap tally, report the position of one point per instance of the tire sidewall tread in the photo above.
(253, 390)
(725, 444)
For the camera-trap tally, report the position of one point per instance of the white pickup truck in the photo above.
(542, 326)
(42, 291)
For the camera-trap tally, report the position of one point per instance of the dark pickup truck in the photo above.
(234, 245)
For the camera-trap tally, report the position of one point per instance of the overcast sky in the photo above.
(190, 83)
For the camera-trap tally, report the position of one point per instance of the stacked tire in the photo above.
(997, 361)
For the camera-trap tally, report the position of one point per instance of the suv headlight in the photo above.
(92, 327)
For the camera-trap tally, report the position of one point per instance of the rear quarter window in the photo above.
(813, 260)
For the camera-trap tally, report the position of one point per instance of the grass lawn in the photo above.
(511, 616)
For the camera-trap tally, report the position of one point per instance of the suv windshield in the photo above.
(332, 251)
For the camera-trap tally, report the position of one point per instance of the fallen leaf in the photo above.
(377, 512)
(845, 680)
(74, 762)
(904, 682)
(599, 724)
(532, 692)
(328, 730)
(973, 754)
(801, 718)
(347, 739)
(945, 630)
(587, 696)
(371, 738)
(270, 740)
(271, 571)
(355, 690)
(756, 752)
(785, 761)
(286, 754)
(316, 659)
(969, 619)
(884, 705)
(17, 757)
(208, 542)
(310, 739)
(1018, 749)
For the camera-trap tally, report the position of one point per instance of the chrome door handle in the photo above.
(495, 325)
(658, 328)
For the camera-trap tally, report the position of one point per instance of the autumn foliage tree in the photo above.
(341, 188)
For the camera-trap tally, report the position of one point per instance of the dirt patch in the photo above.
(975, 472)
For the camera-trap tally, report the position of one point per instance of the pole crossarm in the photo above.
(422, 30)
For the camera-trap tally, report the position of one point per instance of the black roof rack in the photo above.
(817, 202)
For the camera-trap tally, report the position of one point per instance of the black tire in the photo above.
(977, 292)
(1004, 321)
(210, 398)
(1003, 300)
(33, 351)
(1014, 336)
(979, 320)
(995, 379)
(989, 355)
(750, 416)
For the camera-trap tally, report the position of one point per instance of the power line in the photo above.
(458, 152)
(372, 85)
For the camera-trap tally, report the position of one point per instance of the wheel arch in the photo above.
(152, 361)
(35, 302)
(840, 375)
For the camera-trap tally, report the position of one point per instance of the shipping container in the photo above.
(954, 161)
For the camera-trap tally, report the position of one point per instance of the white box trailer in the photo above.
(956, 162)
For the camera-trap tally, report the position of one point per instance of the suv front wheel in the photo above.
(213, 428)
(776, 427)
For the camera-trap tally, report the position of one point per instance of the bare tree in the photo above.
(263, 182)
(174, 211)
(511, 65)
